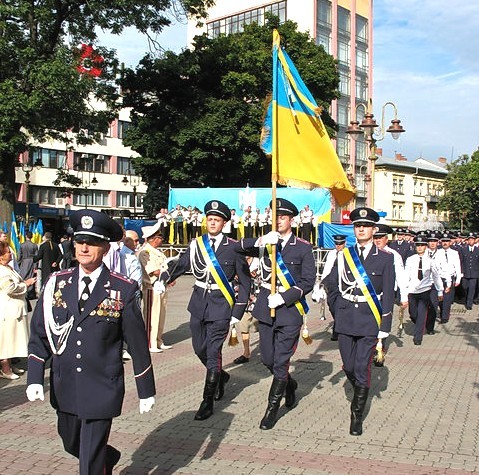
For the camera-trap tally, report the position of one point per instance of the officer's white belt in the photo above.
(357, 298)
(279, 288)
(208, 286)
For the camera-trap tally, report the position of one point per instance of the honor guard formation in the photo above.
(111, 306)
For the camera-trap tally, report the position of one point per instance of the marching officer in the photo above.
(81, 321)
(363, 280)
(402, 245)
(421, 274)
(470, 268)
(214, 261)
(279, 335)
(453, 260)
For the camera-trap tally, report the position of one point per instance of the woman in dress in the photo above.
(13, 318)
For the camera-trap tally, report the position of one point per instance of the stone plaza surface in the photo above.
(421, 416)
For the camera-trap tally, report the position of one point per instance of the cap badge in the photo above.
(363, 213)
(214, 205)
(87, 222)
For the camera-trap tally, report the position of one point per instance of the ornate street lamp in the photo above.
(374, 133)
(134, 181)
(27, 168)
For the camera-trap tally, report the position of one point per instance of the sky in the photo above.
(426, 62)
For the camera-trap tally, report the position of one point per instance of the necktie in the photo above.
(85, 293)
(212, 241)
(445, 253)
(361, 256)
(279, 246)
(419, 269)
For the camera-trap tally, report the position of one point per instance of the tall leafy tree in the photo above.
(197, 115)
(461, 193)
(42, 92)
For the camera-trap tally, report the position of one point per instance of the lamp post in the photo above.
(374, 133)
(27, 168)
(87, 182)
(134, 181)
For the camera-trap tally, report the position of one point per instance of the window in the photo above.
(362, 88)
(401, 186)
(361, 28)
(395, 185)
(125, 166)
(362, 59)
(324, 39)
(324, 12)
(92, 197)
(125, 200)
(123, 126)
(343, 52)
(343, 21)
(344, 82)
(343, 146)
(50, 158)
(235, 23)
(43, 195)
(343, 114)
(398, 211)
(89, 162)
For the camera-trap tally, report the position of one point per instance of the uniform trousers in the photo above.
(432, 310)
(418, 309)
(306, 231)
(87, 440)
(277, 344)
(446, 304)
(469, 289)
(154, 312)
(357, 355)
(207, 339)
(248, 231)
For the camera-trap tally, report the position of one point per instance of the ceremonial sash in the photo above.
(364, 282)
(215, 268)
(287, 280)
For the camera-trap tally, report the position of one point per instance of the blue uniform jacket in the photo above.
(87, 379)
(233, 264)
(298, 257)
(356, 318)
(470, 262)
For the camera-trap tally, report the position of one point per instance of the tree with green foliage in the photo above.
(42, 92)
(197, 115)
(461, 193)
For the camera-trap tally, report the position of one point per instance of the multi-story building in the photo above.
(108, 179)
(408, 191)
(345, 29)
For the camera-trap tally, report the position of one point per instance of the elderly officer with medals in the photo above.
(279, 335)
(214, 262)
(363, 278)
(81, 321)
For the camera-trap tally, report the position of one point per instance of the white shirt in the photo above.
(401, 277)
(93, 276)
(453, 261)
(429, 271)
(442, 265)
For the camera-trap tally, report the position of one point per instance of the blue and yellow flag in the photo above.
(14, 240)
(38, 233)
(21, 232)
(295, 136)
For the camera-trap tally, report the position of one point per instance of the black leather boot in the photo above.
(357, 410)
(206, 406)
(274, 400)
(289, 394)
(220, 392)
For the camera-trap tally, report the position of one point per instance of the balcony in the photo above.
(431, 198)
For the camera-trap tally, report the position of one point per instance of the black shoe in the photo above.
(417, 342)
(468, 308)
(211, 384)
(220, 392)
(241, 359)
(274, 400)
(112, 458)
(431, 332)
(290, 394)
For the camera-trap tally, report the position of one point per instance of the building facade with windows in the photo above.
(108, 179)
(409, 190)
(345, 30)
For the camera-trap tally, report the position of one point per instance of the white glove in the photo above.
(382, 335)
(35, 391)
(275, 300)
(146, 404)
(233, 321)
(159, 287)
(271, 238)
(315, 294)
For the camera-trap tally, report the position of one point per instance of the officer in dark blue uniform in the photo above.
(470, 267)
(214, 262)
(80, 322)
(279, 335)
(360, 321)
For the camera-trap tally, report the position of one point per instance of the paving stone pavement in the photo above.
(421, 417)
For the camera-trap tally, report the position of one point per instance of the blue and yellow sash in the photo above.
(287, 280)
(215, 269)
(364, 282)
